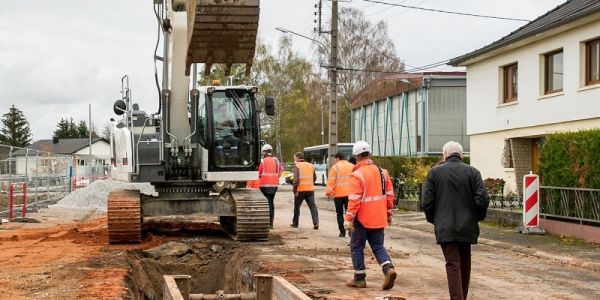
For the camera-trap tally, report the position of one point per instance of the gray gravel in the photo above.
(93, 197)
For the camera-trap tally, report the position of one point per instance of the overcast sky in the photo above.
(57, 57)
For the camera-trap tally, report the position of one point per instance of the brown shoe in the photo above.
(356, 283)
(389, 280)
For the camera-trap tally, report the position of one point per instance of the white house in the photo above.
(55, 156)
(540, 79)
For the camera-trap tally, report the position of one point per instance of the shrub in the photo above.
(494, 186)
(410, 170)
(571, 159)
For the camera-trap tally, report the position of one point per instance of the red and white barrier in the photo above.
(531, 199)
(531, 204)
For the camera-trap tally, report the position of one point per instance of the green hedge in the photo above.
(411, 170)
(571, 159)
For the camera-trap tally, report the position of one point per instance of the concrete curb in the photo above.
(533, 252)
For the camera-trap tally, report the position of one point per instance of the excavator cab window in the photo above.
(232, 131)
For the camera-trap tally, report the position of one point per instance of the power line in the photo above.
(447, 12)
(422, 68)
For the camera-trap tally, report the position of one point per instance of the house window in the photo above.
(553, 72)
(592, 62)
(510, 83)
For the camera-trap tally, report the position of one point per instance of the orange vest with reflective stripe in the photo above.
(306, 179)
(338, 179)
(268, 172)
(368, 201)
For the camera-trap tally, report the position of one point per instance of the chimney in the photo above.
(54, 140)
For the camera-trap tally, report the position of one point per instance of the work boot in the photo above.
(316, 227)
(390, 278)
(361, 284)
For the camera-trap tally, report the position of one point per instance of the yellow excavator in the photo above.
(203, 141)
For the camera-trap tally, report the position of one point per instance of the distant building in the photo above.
(540, 79)
(55, 156)
(411, 114)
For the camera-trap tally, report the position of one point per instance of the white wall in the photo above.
(532, 109)
(486, 149)
(100, 149)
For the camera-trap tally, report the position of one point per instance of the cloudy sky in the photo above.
(58, 57)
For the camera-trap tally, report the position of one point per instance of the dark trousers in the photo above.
(310, 201)
(358, 240)
(269, 193)
(341, 205)
(458, 268)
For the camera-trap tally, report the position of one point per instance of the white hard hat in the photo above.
(361, 147)
(266, 147)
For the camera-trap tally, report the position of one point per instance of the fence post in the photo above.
(24, 191)
(11, 190)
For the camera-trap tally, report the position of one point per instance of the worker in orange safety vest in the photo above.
(304, 189)
(269, 171)
(338, 188)
(370, 208)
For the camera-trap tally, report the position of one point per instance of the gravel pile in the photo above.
(95, 194)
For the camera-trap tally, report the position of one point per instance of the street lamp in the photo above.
(285, 30)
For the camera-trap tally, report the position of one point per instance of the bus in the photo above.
(317, 155)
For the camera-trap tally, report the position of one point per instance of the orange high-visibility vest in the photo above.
(370, 200)
(268, 172)
(338, 181)
(305, 178)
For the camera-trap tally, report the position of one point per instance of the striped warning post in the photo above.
(531, 199)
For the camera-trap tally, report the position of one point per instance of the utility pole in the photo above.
(333, 87)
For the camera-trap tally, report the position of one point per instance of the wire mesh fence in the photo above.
(43, 177)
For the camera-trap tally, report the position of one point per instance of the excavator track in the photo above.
(124, 217)
(251, 222)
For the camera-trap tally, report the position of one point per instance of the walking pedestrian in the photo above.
(454, 199)
(269, 171)
(370, 208)
(304, 189)
(338, 188)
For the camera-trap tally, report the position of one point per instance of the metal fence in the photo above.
(48, 177)
(510, 202)
(575, 204)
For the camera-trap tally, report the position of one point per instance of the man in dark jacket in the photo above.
(454, 200)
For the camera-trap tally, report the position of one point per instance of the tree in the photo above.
(364, 46)
(15, 128)
(82, 129)
(106, 131)
(67, 129)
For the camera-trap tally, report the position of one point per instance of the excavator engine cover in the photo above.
(222, 31)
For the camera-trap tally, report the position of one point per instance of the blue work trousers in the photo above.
(358, 240)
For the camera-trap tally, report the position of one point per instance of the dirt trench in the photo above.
(214, 263)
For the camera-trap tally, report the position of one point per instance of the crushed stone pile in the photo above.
(94, 196)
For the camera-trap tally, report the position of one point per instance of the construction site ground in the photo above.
(67, 256)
